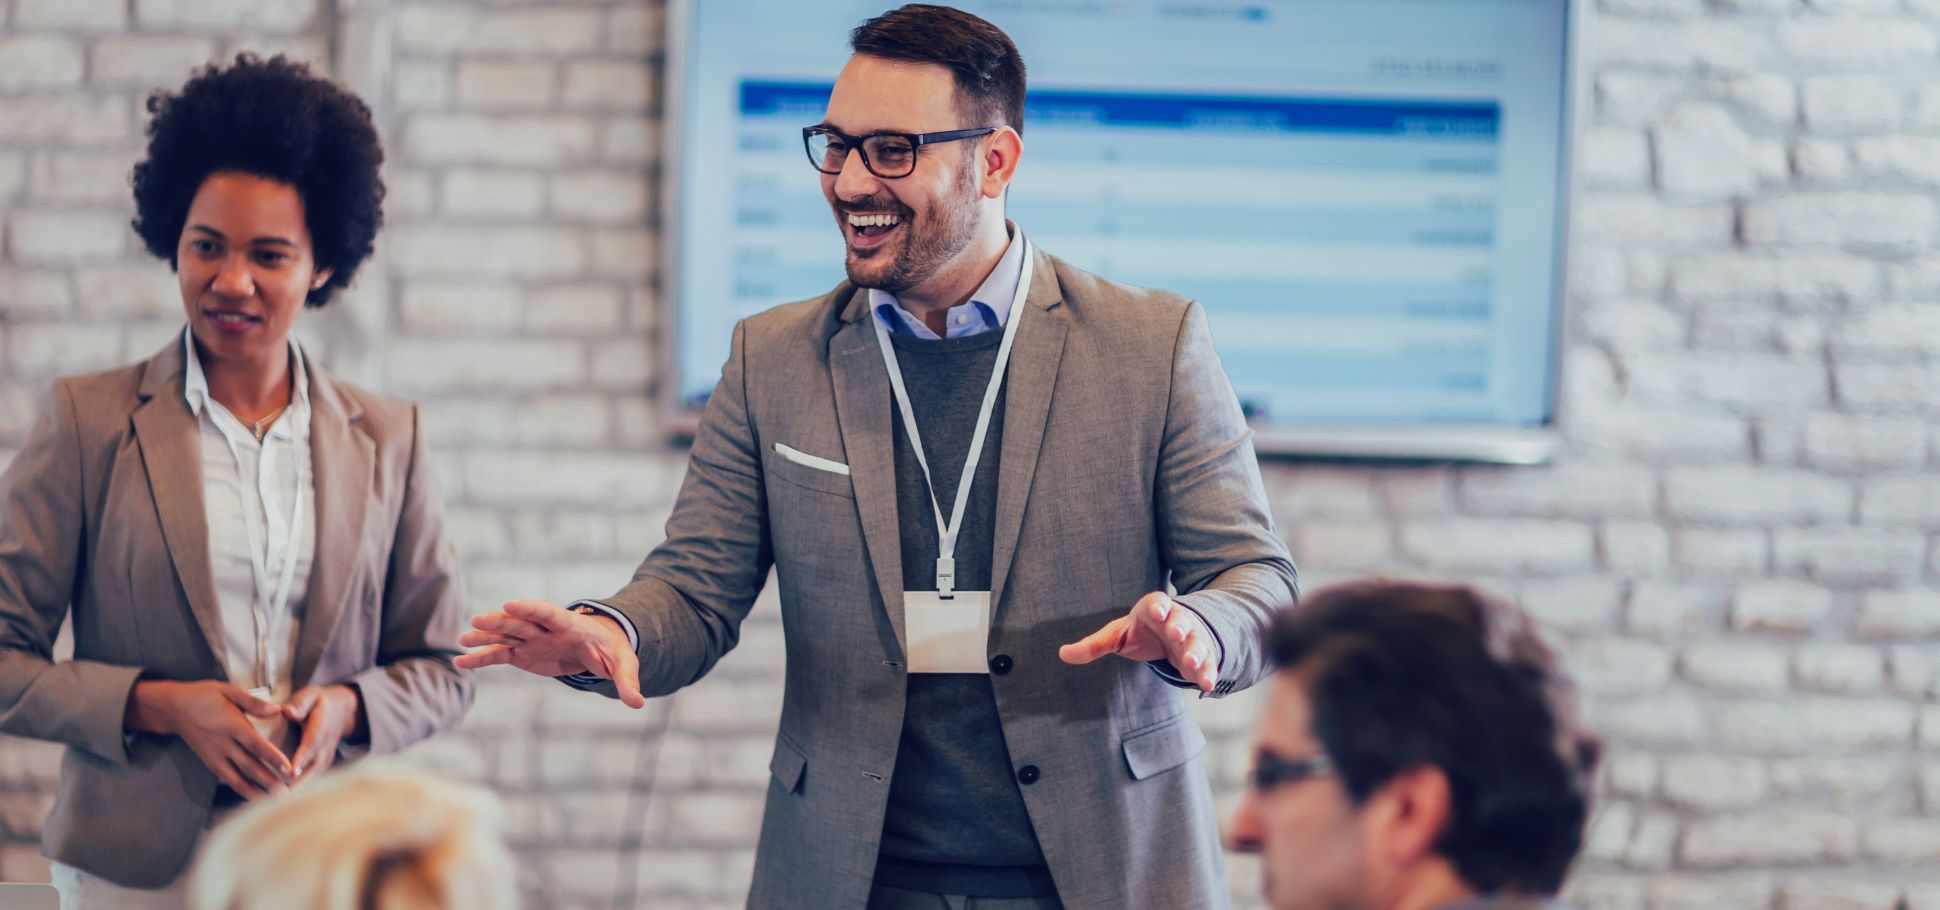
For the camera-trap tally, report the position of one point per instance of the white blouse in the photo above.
(260, 499)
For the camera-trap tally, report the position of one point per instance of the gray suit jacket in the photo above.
(101, 513)
(1125, 464)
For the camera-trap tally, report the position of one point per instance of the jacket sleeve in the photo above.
(42, 554)
(1216, 532)
(415, 690)
(689, 596)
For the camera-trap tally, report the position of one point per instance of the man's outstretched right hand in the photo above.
(550, 640)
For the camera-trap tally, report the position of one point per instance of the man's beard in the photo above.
(931, 242)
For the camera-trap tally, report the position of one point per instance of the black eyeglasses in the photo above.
(1271, 770)
(886, 155)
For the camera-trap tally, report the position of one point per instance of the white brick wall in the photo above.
(1739, 548)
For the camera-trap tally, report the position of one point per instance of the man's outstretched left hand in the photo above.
(1157, 628)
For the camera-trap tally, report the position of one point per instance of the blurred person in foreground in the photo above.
(1420, 750)
(252, 552)
(376, 838)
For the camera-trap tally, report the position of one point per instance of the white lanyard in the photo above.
(947, 530)
(269, 615)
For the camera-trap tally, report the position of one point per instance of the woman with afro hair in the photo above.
(252, 552)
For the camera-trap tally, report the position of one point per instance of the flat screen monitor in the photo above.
(1368, 196)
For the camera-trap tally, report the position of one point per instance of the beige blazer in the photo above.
(101, 515)
(1126, 465)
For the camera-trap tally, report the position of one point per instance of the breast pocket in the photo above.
(787, 765)
(1163, 746)
(812, 472)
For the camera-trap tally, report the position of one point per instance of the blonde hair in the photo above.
(380, 837)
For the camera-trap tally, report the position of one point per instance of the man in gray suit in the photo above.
(1420, 751)
(977, 471)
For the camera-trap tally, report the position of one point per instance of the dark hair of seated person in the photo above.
(1402, 676)
(277, 120)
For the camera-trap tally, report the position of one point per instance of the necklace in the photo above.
(261, 427)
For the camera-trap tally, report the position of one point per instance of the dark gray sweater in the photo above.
(956, 823)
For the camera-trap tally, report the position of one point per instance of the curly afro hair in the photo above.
(272, 119)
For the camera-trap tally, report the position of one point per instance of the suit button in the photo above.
(1000, 664)
(1028, 775)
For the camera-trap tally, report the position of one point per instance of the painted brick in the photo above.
(1847, 40)
(66, 118)
(494, 193)
(1840, 669)
(610, 85)
(1500, 545)
(1702, 154)
(60, 238)
(1572, 490)
(505, 85)
(1709, 783)
(268, 15)
(1852, 104)
(546, 140)
(447, 28)
(39, 62)
(467, 252)
(1722, 553)
(70, 14)
(149, 61)
(600, 196)
(1752, 495)
(1741, 667)
(1849, 556)
(1763, 838)
(1780, 606)
(1835, 219)
(1804, 725)
(1900, 614)
(587, 308)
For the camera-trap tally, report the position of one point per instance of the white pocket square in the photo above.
(809, 461)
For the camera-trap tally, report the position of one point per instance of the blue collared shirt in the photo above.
(986, 310)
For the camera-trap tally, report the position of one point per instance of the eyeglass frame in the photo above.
(916, 142)
(1271, 771)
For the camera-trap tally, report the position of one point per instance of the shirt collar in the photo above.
(195, 385)
(990, 303)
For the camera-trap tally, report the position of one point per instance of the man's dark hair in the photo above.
(989, 72)
(1403, 676)
(272, 119)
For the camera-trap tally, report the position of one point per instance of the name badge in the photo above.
(947, 636)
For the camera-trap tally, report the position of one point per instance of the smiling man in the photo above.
(1420, 751)
(1014, 512)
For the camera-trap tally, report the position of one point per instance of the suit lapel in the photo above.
(171, 451)
(342, 457)
(862, 410)
(1027, 403)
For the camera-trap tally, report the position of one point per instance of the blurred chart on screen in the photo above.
(1362, 194)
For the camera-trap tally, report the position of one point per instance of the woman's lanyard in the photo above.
(269, 614)
(947, 530)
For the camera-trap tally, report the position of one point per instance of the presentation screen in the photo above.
(1367, 196)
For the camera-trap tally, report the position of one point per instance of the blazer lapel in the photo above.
(342, 458)
(1027, 403)
(862, 410)
(171, 451)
